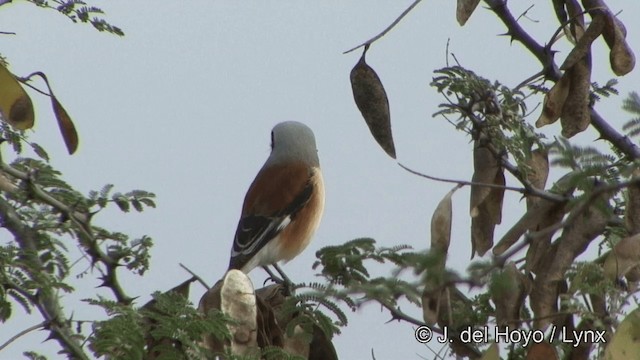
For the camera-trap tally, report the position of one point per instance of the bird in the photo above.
(284, 204)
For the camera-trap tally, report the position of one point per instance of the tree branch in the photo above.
(196, 277)
(22, 333)
(83, 226)
(45, 300)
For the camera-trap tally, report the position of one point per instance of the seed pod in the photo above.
(464, 10)
(372, 101)
(624, 256)
(15, 105)
(441, 224)
(67, 129)
(485, 202)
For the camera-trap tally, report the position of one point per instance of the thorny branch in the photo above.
(544, 54)
(45, 300)
(398, 314)
(82, 224)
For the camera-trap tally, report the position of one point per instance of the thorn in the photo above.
(50, 337)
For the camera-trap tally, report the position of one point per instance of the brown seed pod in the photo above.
(372, 101)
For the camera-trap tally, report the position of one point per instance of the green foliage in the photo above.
(168, 326)
(308, 305)
(33, 356)
(344, 264)
(632, 105)
(17, 139)
(588, 278)
(276, 353)
(479, 105)
(172, 316)
(137, 199)
(587, 160)
(607, 90)
(78, 10)
(481, 304)
(47, 217)
(121, 336)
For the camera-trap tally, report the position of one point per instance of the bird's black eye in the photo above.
(272, 140)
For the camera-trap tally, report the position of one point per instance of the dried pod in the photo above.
(539, 246)
(625, 340)
(508, 290)
(431, 305)
(441, 224)
(632, 209)
(464, 10)
(239, 302)
(621, 56)
(489, 215)
(541, 351)
(574, 29)
(575, 239)
(576, 114)
(67, 129)
(485, 168)
(15, 105)
(450, 307)
(554, 102)
(583, 46)
(532, 219)
(538, 173)
(492, 353)
(624, 257)
(372, 101)
(485, 202)
(7, 185)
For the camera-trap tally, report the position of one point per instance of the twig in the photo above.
(533, 191)
(399, 315)
(385, 31)
(6, 32)
(25, 80)
(22, 333)
(529, 79)
(195, 276)
(524, 14)
(464, 182)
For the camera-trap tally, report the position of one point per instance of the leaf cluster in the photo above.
(78, 10)
(168, 327)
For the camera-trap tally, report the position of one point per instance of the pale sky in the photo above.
(183, 106)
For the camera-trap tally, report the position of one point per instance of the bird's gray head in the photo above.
(292, 140)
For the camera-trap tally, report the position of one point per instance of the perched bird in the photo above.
(284, 204)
